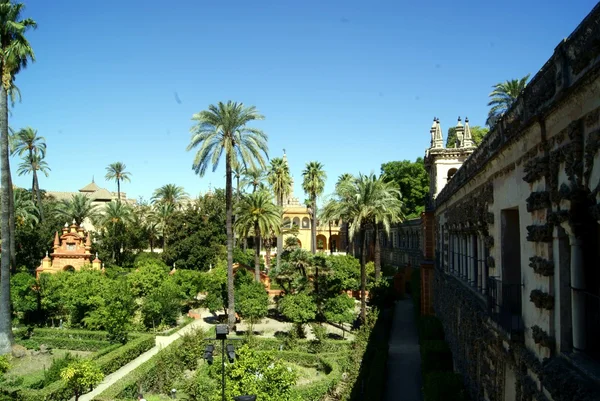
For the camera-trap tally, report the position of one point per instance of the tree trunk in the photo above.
(313, 228)
(118, 190)
(36, 185)
(237, 199)
(12, 228)
(229, 229)
(257, 254)
(6, 335)
(280, 235)
(377, 252)
(363, 276)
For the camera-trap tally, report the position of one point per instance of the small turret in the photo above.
(460, 133)
(96, 263)
(56, 241)
(468, 138)
(65, 229)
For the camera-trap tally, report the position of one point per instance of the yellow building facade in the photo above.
(330, 237)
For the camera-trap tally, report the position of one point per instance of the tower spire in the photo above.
(460, 133)
(468, 138)
(437, 138)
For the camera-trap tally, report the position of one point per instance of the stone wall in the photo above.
(517, 239)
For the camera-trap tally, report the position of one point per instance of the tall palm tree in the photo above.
(15, 53)
(280, 179)
(503, 96)
(26, 143)
(223, 129)
(253, 177)
(257, 213)
(313, 184)
(170, 194)
(78, 208)
(364, 201)
(31, 165)
(116, 172)
(345, 178)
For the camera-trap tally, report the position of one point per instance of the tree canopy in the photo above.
(413, 181)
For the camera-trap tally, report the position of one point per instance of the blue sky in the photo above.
(351, 84)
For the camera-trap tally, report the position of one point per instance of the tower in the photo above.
(442, 163)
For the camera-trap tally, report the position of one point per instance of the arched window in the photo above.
(286, 222)
(451, 173)
(296, 222)
(305, 222)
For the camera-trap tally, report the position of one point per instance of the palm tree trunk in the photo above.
(13, 252)
(36, 189)
(237, 199)
(313, 228)
(118, 190)
(280, 235)
(257, 255)
(377, 251)
(229, 229)
(6, 335)
(363, 276)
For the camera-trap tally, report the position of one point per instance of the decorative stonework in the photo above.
(542, 338)
(541, 299)
(591, 148)
(538, 201)
(472, 212)
(541, 266)
(489, 241)
(491, 262)
(535, 169)
(539, 233)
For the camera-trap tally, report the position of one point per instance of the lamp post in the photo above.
(222, 330)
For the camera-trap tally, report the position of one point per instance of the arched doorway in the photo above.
(321, 242)
(334, 243)
(69, 268)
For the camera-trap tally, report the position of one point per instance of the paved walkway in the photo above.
(404, 361)
(161, 342)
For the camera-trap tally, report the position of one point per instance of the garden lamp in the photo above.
(208, 353)
(230, 352)
(245, 398)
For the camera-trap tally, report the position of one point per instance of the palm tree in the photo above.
(15, 52)
(364, 201)
(116, 172)
(281, 181)
(253, 177)
(170, 194)
(26, 143)
(78, 208)
(31, 165)
(163, 213)
(345, 178)
(502, 98)
(223, 129)
(116, 216)
(257, 213)
(313, 184)
(25, 209)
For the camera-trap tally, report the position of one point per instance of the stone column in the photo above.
(480, 266)
(577, 297)
(472, 261)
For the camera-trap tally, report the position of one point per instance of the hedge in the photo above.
(61, 333)
(435, 356)
(316, 391)
(158, 372)
(273, 344)
(442, 386)
(63, 343)
(107, 362)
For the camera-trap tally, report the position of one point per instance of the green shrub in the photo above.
(63, 343)
(53, 372)
(443, 386)
(430, 328)
(4, 364)
(112, 361)
(435, 356)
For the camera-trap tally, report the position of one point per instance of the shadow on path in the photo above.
(404, 359)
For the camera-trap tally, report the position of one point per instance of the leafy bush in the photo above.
(80, 376)
(442, 386)
(4, 364)
(435, 356)
(112, 361)
(252, 302)
(299, 309)
(58, 364)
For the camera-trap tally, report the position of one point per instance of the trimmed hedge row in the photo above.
(316, 391)
(69, 333)
(273, 344)
(107, 362)
(63, 343)
(160, 370)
